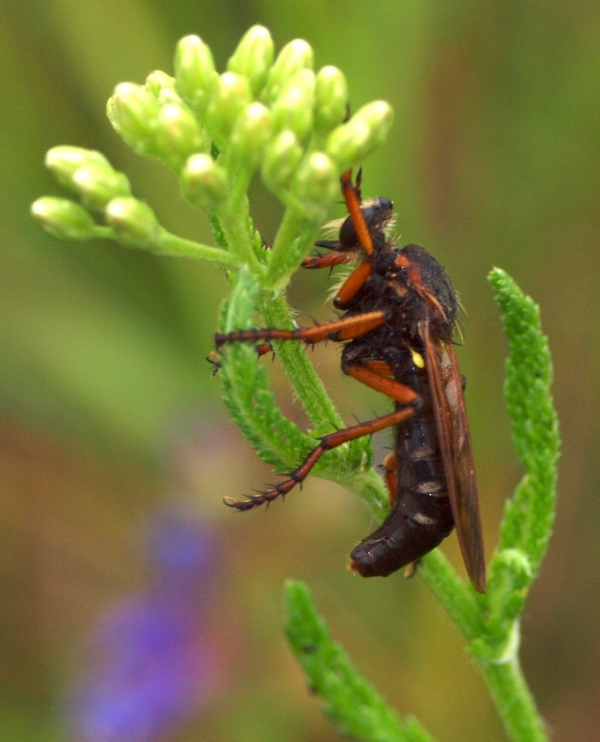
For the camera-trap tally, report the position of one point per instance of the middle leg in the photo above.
(333, 440)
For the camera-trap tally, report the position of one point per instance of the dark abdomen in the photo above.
(420, 516)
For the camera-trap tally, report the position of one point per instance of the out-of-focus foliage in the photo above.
(106, 400)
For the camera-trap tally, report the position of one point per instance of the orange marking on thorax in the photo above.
(416, 282)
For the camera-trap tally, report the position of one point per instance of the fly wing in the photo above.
(452, 425)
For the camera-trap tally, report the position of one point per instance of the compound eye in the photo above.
(348, 236)
(375, 214)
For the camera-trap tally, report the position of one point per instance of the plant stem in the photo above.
(299, 370)
(235, 229)
(170, 244)
(293, 240)
(504, 677)
(513, 698)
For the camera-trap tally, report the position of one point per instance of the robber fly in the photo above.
(399, 314)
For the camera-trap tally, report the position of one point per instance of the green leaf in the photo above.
(246, 386)
(529, 515)
(351, 703)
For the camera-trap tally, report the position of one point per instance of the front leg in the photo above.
(346, 328)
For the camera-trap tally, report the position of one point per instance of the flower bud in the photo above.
(253, 57)
(133, 113)
(351, 142)
(178, 134)
(133, 221)
(293, 108)
(250, 135)
(63, 219)
(195, 72)
(281, 160)
(64, 161)
(295, 56)
(98, 185)
(317, 182)
(230, 97)
(331, 99)
(158, 81)
(204, 182)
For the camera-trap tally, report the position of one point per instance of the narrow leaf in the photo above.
(247, 394)
(529, 515)
(350, 702)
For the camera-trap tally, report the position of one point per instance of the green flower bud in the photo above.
(195, 73)
(167, 96)
(158, 81)
(64, 161)
(63, 219)
(317, 181)
(133, 112)
(331, 99)
(251, 133)
(253, 57)
(230, 97)
(204, 182)
(133, 221)
(281, 159)
(351, 142)
(295, 56)
(98, 185)
(293, 108)
(178, 134)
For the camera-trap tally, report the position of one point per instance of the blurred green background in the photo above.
(108, 408)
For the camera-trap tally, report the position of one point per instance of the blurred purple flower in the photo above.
(149, 661)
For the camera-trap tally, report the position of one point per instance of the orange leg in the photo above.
(333, 440)
(264, 348)
(352, 197)
(357, 278)
(390, 387)
(380, 367)
(400, 392)
(328, 260)
(214, 360)
(352, 285)
(341, 329)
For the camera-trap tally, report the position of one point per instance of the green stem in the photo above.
(234, 224)
(504, 677)
(513, 698)
(170, 244)
(104, 233)
(299, 370)
(293, 240)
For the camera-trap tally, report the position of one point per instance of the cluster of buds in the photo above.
(103, 192)
(274, 116)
